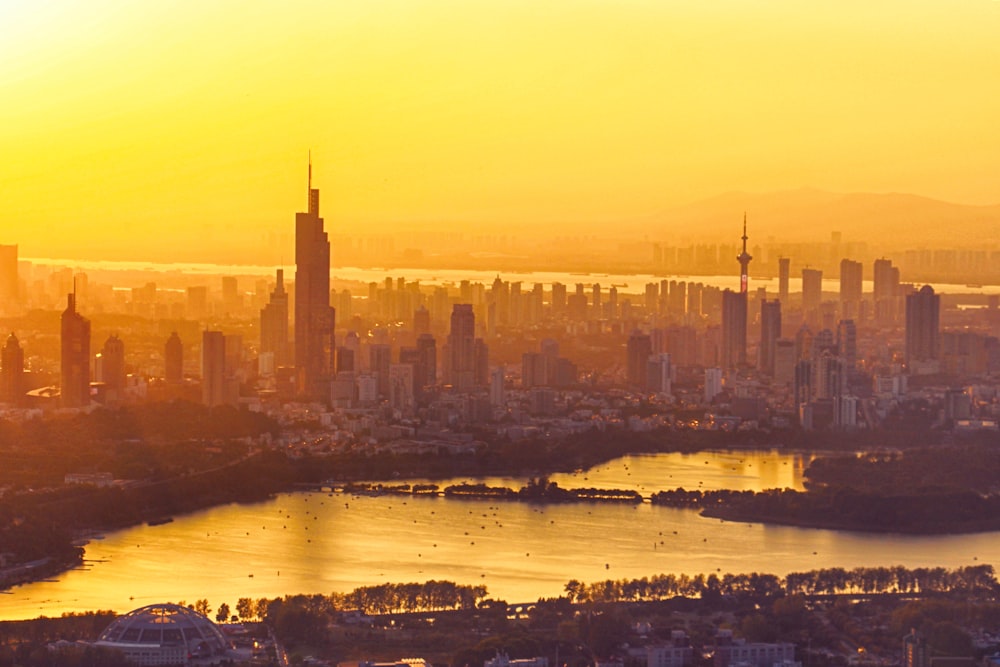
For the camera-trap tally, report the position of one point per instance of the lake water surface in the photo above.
(319, 543)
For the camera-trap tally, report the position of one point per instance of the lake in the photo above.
(314, 542)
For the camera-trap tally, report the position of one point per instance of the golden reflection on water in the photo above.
(320, 543)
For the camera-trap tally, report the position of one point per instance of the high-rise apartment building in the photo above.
(923, 333)
(12, 371)
(274, 323)
(850, 288)
(462, 347)
(213, 368)
(173, 359)
(314, 318)
(812, 292)
(770, 332)
(109, 368)
(784, 264)
(75, 356)
(8, 278)
(734, 329)
(638, 349)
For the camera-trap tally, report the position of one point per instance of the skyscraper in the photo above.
(462, 347)
(812, 292)
(638, 349)
(274, 323)
(8, 278)
(12, 371)
(314, 318)
(850, 288)
(734, 329)
(213, 368)
(110, 368)
(75, 356)
(173, 358)
(885, 288)
(923, 335)
(783, 268)
(770, 332)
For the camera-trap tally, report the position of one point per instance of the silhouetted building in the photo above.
(426, 374)
(9, 295)
(314, 318)
(75, 357)
(784, 264)
(850, 288)
(274, 324)
(213, 369)
(770, 332)
(462, 347)
(173, 359)
(109, 368)
(734, 329)
(12, 371)
(379, 361)
(847, 344)
(885, 291)
(812, 292)
(923, 336)
(638, 349)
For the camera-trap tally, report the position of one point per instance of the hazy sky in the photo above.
(146, 124)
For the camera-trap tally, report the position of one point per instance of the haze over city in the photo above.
(137, 131)
(514, 334)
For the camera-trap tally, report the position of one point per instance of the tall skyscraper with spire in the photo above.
(314, 317)
(734, 313)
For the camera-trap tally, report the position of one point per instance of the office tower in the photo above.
(770, 332)
(213, 368)
(274, 323)
(652, 297)
(232, 302)
(659, 373)
(638, 349)
(784, 362)
(75, 356)
(802, 390)
(12, 370)
(379, 360)
(744, 259)
(847, 344)
(734, 329)
(427, 355)
(558, 297)
(8, 278)
(400, 392)
(462, 347)
(481, 352)
(314, 318)
(812, 292)
(713, 383)
(497, 397)
(784, 264)
(421, 321)
(804, 342)
(850, 288)
(923, 336)
(345, 360)
(885, 289)
(109, 368)
(197, 301)
(173, 358)
(828, 378)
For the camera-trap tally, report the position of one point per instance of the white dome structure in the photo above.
(164, 634)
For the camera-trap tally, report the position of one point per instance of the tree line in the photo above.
(969, 580)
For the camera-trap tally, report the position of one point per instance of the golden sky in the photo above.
(152, 125)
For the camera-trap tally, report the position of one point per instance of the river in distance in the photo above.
(317, 542)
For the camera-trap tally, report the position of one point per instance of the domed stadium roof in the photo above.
(164, 634)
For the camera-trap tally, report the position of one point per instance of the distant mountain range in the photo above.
(809, 214)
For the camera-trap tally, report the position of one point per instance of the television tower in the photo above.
(744, 259)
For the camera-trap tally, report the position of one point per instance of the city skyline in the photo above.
(503, 116)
